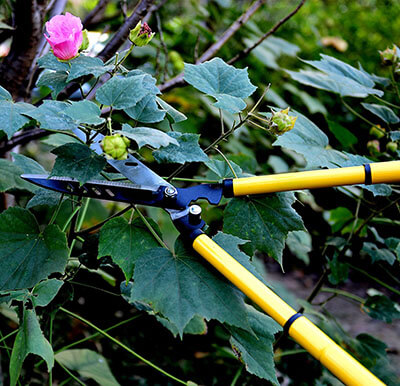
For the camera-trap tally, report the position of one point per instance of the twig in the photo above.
(213, 49)
(22, 139)
(121, 35)
(94, 15)
(246, 51)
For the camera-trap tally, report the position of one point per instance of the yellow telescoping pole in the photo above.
(374, 173)
(309, 336)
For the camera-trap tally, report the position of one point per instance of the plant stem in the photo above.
(3, 338)
(343, 293)
(100, 224)
(93, 287)
(150, 228)
(388, 103)
(316, 289)
(116, 341)
(237, 375)
(290, 352)
(396, 87)
(71, 374)
(197, 180)
(226, 160)
(55, 213)
(72, 215)
(382, 283)
(360, 116)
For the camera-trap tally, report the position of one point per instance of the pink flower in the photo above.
(65, 35)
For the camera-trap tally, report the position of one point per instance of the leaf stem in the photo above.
(70, 218)
(55, 213)
(343, 293)
(226, 160)
(289, 352)
(396, 87)
(382, 283)
(360, 116)
(237, 375)
(70, 373)
(3, 338)
(198, 180)
(150, 228)
(116, 341)
(386, 102)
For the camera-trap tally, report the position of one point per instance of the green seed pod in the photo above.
(281, 122)
(141, 34)
(116, 146)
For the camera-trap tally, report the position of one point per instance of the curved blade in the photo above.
(105, 190)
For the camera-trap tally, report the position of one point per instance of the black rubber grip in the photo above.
(368, 174)
(290, 321)
(227, 188)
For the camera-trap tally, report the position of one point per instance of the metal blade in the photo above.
(105, 190)
(138, 173)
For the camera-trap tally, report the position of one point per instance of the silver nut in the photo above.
(170, 192)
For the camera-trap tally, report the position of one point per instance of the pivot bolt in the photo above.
(194, 214)
(170, 192)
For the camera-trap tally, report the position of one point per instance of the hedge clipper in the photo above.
(147, 188)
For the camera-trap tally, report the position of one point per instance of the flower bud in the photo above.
(391, 147)
(116, 146)
(389, 56)
(281, 122)
(377, 131)
(374, 147)
(85, 41)
(141, 34)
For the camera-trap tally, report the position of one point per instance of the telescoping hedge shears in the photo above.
(147, 188)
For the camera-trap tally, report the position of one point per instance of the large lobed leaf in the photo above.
(266, 222)
(180, 286)
(338, 77)
(225, 83)
(187, 150)
(77, 161)
(11, 116)
(255, 349)
(27, 254)
(125, 242)
(29, 340)
(312, 143)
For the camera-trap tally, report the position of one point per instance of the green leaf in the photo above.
(56, 80)
(344, 136)
(197, 326)
(393, 244)
(11, 116)
(146, 110)
(88, 364)
(118, 91)
(133, 240)
(174, 114)
(179, 287)
(339, 271)
(336, 76)
(10, 177)
(77, 161)
(312, 143)
(394, 135)
(187, 151)
(5, 95)
(385, 113)
(58, 139)
(232, 245)
(28, 165)
(299, 243)
(382, 308)
(256, 350)
(223, 82)
(222, 170)
(147, 136)
(87, 65)
(44, 197)
(378, 254)
(29, 340)
(51, 62)
(51, 115)
(85, 112)
(28, 254)
(313, 104)
(44, 292)
(264, 221)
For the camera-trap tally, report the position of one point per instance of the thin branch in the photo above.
(213, 49)
(123, 32)
(246, 51)
(95, 14)
(21, 139)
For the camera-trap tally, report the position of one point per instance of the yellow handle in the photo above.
(381, 172)
(316, 342)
